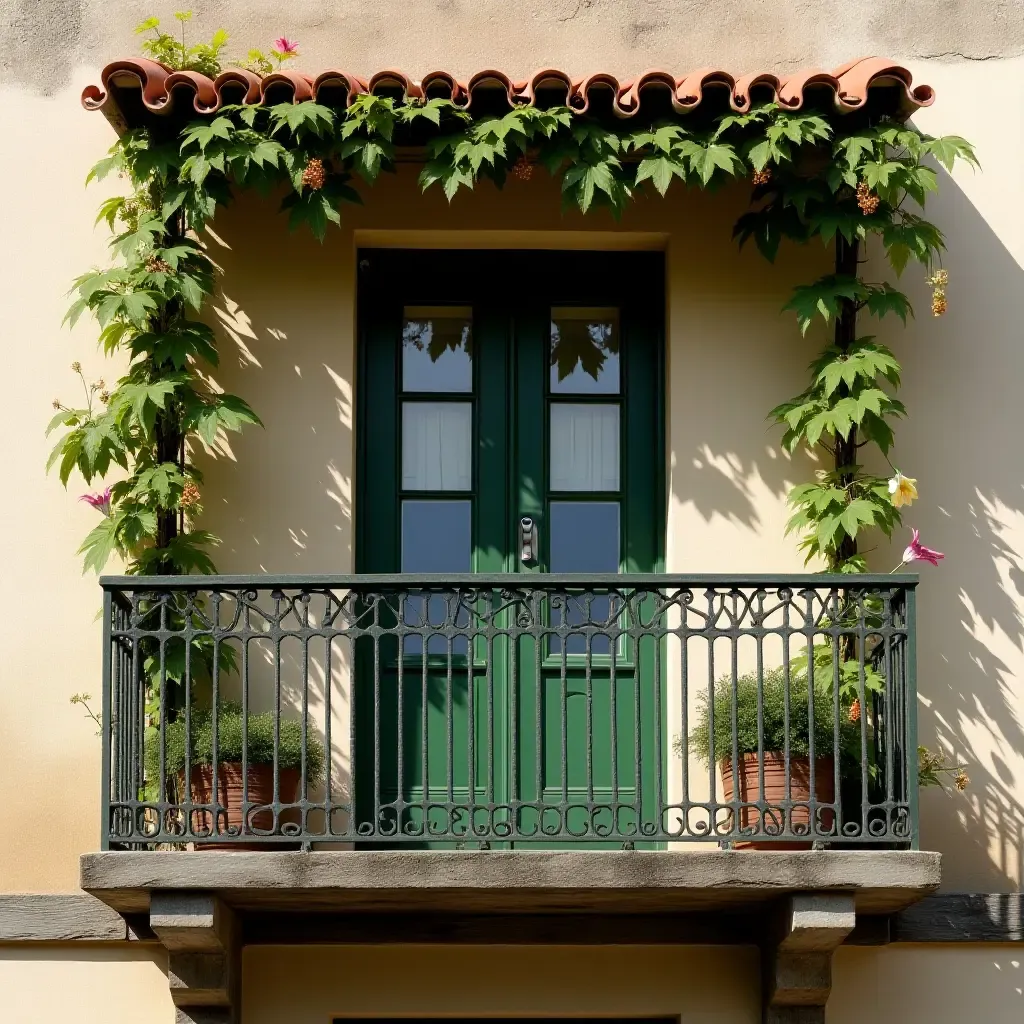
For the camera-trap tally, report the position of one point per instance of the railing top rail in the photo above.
(362, 581)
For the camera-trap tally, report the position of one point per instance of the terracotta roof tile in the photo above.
(133, 90)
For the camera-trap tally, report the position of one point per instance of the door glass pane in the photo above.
(584, 447)
(437, 349)
(436, 537)
(584, 351)
(437, 446)
(585, 538)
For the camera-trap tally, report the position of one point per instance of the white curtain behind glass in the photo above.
(584, 447)
(437, 446)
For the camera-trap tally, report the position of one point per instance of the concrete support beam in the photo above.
(797, 959)
(203, 940)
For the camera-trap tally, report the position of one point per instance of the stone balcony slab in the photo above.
(512, 882)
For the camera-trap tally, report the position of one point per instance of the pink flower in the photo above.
(284, 45)
(100, 502)
(916, 551)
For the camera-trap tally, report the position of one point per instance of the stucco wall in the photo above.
(709, 985)
(700, 985)
(283, 500)
(86, 984)
(913, 985)
(927, 984)
(42, 41)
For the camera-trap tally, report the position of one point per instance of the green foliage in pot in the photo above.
(230, 744)
(772, 735)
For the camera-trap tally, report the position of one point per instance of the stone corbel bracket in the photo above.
(797, 956)
(203, 942)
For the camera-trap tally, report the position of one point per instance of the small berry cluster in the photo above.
(189, 496)
(523, 168)
(762, 177)
(866, 199)
(155, 265)
(314, 176)
(854, 713)
(938, 281)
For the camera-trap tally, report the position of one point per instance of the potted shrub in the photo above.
(742, 782)
(230, 815)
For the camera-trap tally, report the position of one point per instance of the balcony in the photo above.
(499, 736)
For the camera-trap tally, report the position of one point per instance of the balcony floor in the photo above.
(512, 882)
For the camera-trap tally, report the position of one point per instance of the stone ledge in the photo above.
(59, 917)
(569, 881)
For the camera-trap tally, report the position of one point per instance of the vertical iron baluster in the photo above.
(563, 814)
(245, 618)
(660, 784)
(712, 780)
(787, 677)
(471, 714)
(424, 739)
(684, 710)
(400, 717)
(185, 797)
(303, 807)
(449, 709)
(737, 765)
(107, 720)
(539, 639)
(162, 642)
(762, 798)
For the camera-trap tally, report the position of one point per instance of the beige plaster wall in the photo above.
(962, 391)
(49, 635)
(283, 497)
(42, 40)
(698, 985)
(122, 984)
(927, 984)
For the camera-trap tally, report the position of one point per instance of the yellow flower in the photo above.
(903, 489)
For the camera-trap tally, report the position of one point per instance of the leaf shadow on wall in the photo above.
(280, 497)
(962, 379)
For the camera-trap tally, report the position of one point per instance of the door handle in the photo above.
(528, 547)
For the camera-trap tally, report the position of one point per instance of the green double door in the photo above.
(498, 387)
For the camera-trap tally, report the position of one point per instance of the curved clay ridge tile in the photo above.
(579, 98)
(690, 90)
(791, 89)
(627, 103)
(150, 75)
(352, 84)
(444, 86)
(499, 77)
(857, 77)
(248, 80)
(850, 84)
(391, 77)
(544, 78)
(205, 98)
(745, 85)
(301, 86)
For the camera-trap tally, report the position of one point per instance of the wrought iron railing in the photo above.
(514, 709)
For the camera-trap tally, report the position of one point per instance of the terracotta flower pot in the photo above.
(229, 802)
(777, 818)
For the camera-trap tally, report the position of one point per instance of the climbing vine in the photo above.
(854, 184)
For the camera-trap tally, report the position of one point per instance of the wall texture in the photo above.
(42, 41)
(283, 497)
(927, 984)
(85, 984)
(701, 985)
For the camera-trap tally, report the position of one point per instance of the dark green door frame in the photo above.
(511, 294)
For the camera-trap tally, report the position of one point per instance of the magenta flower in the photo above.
(283, 45)
(915, 551)
(100, 502)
